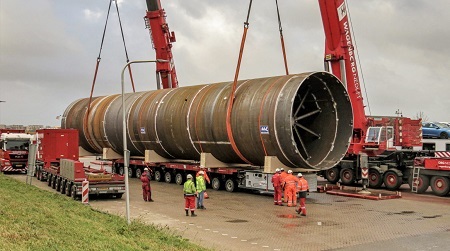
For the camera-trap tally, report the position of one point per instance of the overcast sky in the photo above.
(48, 50)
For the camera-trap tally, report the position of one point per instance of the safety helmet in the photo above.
(201, 172)
(300, 175)
(202, 167)
(189, 176)
(282, 169)
(289, 171)
(146, 169)
(277, 170)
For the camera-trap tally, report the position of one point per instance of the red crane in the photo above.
(387, 141)
(162, 39)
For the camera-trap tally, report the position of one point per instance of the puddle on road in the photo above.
(405, 212)
(432, 217)
(237, 221)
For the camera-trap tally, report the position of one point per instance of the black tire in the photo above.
(168, 177)
(73, 192)
(58, 184)
(440, 185)
(130, 172)
(38, 174)
(158, 176)
(424, 183)
(392, 181)
(179, 179)
(121, 170)
(63, 186)
(68, 188)
(138, 172)
(53, 182)
(332, 175)
(347, 176)
(49, 180)
(119, 195)
(216, 183)
(375, 178)
(443, 135)
(230, 185)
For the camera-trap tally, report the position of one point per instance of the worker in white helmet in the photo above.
(146, 188)
(190, 192)
(276, 181)
(201, 189)
(302, 189)
(283, 175)
(290, 188)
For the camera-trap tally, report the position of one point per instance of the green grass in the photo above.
(35, 219)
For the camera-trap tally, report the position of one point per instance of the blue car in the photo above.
(435, 130)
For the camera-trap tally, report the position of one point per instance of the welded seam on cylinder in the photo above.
(104, 120)
(128, 111)
(260, 113)
(275, 121)
(93, 142)
(195, 117)
(145, 103)
(68, 109)
(228, 123)
(156, 115)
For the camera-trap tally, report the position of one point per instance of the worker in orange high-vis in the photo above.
(302, 189)
(290, 189)
(276, 181)
(283, 175)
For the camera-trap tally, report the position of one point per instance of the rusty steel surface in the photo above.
(245, 221)
(305, 120)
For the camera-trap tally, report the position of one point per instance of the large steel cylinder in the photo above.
(305, 120)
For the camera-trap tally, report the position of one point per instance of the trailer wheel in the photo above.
(63, 186)
(49, 180)
(41, 176)
(168, 177)
(375, 178)
(216, 184)
(230, 185)
(130, 172)
(38, 174)
(73, 192)
(121, 170)
(392, 181)
(158, 176)
(58, 184)
(138, 172)
(423, 183)
(54, 182)
(347, 176)
(332, 175)
(68, 186)
(179, 179)
(440, 185)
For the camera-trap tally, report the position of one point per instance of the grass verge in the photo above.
(34, 219)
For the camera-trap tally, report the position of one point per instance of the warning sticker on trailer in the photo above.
(142, 130)
(264, 129)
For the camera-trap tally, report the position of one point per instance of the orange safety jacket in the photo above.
(302, 185)
(290, 181)
(283, 176)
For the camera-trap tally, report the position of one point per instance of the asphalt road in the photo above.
(246, 221)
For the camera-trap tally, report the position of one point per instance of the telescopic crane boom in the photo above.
(340, 60)
(162, 39)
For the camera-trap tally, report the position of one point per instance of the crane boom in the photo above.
(340, 60)
(162, 39)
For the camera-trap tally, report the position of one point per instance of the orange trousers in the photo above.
(290, 193)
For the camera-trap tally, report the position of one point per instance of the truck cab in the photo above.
(14, 151)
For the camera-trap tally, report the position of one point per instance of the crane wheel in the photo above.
(440, 185)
